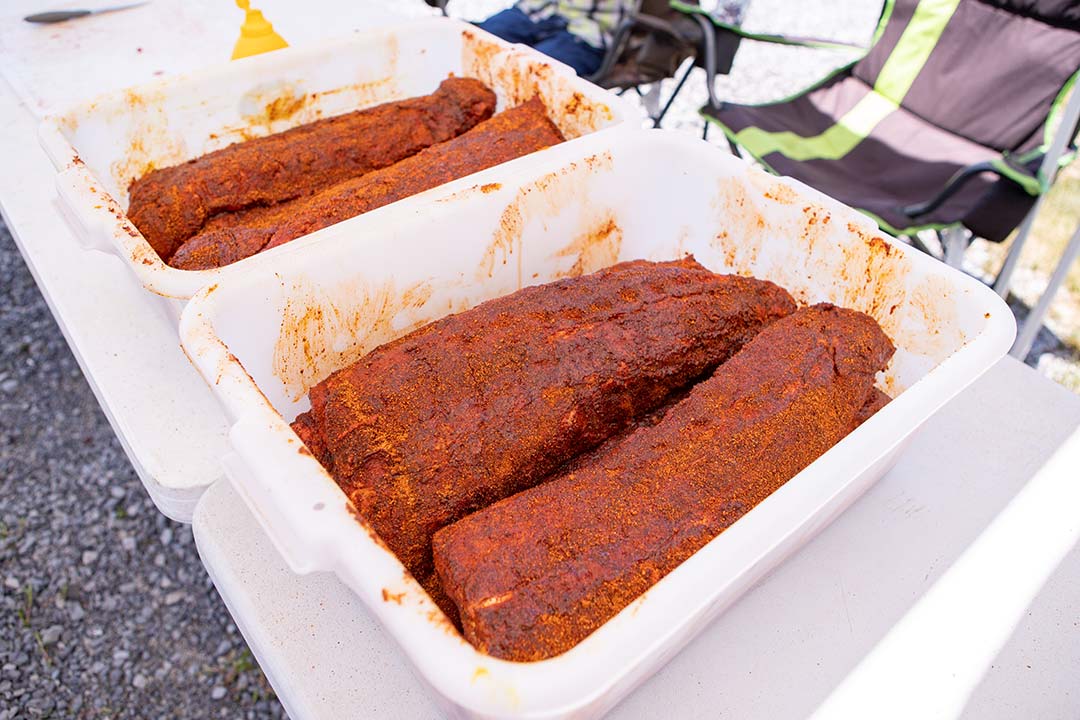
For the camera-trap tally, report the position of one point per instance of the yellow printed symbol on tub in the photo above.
(256, 34)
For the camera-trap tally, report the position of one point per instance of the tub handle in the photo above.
(85, 208)
(291, 524)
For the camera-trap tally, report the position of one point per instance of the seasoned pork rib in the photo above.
(534, 574)
(478, 406)
(170, 205)
(508, 135)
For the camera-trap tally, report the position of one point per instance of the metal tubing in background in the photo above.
(1048, 169)
(1004, 277)
(954, 241)
(710, 58)
(1026, 338)
(613, 51)
(674, 93)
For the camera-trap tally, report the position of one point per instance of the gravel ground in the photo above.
(105, 609)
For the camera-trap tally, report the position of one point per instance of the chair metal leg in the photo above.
(614, 50)
(1026, 337)
(916, 241)
(651, 101)
(954, 242)
(705, 130)
(710, 58)
(1004, 277)
(1064, 135)
(674, 94)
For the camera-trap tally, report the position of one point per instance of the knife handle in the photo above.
(55, 16)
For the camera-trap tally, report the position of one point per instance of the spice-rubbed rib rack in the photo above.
(862, 622)
(258, 339)
(163, 414)
(854, 610)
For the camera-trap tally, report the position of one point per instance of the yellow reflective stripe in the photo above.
(833, 144)
(893, 82)
(914, 47)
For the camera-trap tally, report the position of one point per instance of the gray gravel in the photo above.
(105, 609)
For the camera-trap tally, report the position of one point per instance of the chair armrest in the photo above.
(1003, 167)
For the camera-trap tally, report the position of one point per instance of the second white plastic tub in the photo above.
(99, 147)
(262, 337)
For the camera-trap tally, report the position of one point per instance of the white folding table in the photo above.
(169, 424)
(952, 589)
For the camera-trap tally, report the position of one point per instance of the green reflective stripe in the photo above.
(910, 230)
(685, 7)
(893, 82)
(833, 144)
(784, 40)
(914, 47)
(1066, 159)
(689, 9)
(1030, 155)
(1031, 185)
(1052, 122)
(1056, 109)
(883, 21)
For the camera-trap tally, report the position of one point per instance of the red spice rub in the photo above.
(305, 429)
(508, 135)
(477, 406)
(169, 205)
(875, 402)
(535, 574)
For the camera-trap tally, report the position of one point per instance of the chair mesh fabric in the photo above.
(1061, 13)
(649, 56)
(985, 86)
(992, 75)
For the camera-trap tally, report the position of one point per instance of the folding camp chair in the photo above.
(659, 37)
(945, 123)
(654, 42)
(651, 44)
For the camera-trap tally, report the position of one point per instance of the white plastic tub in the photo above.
(262, 337)
(99, 147)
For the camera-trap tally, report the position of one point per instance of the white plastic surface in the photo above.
(99, 147)
(51, 66)
(948, 591)
(263, 336)
(167, 420)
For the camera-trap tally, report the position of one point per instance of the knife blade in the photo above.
(57, 16)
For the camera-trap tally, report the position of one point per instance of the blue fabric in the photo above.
(548, 35)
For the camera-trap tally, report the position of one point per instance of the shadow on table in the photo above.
(1041, 658)
(790, 642)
